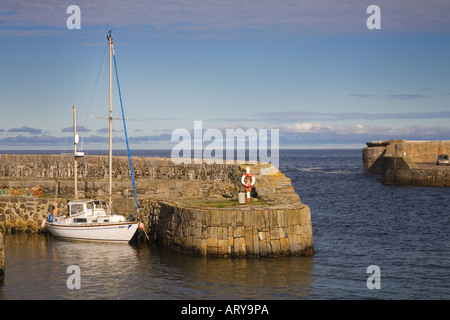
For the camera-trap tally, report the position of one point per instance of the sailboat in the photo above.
(93, 220)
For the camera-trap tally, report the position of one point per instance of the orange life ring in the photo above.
(251, 183)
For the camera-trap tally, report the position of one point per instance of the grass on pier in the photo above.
(224, 203)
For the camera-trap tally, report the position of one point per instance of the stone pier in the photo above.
(218, 228)
(403, 162)
(189, 207)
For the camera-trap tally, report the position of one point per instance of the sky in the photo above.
(311, 69)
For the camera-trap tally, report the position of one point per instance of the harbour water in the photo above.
(357, 222)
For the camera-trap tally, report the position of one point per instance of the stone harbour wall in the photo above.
(403, 162)
(248, 231)
(416, 151)
(26, 213)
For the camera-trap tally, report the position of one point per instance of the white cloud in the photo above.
(306, 127)
(342, 116)
(315, 133)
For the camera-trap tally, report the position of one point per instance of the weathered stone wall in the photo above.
(420, 151)
(155, 177)
(401, 171)
(95, 167)
(372, 157)
(26, 213)
(247, 231)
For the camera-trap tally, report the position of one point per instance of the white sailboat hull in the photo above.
(107, 232)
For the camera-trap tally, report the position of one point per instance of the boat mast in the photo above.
(75, 141)
(109, 37)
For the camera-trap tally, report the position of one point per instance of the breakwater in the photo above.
(228, 230)
(404, 162)
(190, 207)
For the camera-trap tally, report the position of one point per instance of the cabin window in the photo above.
(78, 220)
(100, 204)
(76, 208)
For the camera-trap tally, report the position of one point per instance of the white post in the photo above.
(248, 189)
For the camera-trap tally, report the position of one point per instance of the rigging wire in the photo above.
(99, 77)
(125, 129)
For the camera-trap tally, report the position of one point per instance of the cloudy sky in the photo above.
(310, 68)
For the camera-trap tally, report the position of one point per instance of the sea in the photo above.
(371, 241)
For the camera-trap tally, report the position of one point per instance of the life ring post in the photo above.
(248, 180)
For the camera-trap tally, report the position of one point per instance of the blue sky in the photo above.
(311, 69)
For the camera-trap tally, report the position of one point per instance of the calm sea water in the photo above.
(357, 222)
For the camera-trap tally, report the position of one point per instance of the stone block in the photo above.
(212, 232)
(239, 246)
(282, 232)
(276, 247)
(216, 218)
(222, 247)
(202, 247)
(261, 235)
(249, 219)
(255, 246)
(239, 232)
(285, 246)
(249, 237)
(212, 250)
(274, 234)
(212, 242)
(263, 249)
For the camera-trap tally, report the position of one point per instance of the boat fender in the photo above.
(141, 225)
(50, 218)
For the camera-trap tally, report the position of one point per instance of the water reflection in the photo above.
(241, 278)
(36, 268)
(40, 264)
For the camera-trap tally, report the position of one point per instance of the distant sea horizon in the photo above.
(120, 151)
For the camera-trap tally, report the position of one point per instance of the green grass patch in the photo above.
(222, 203)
